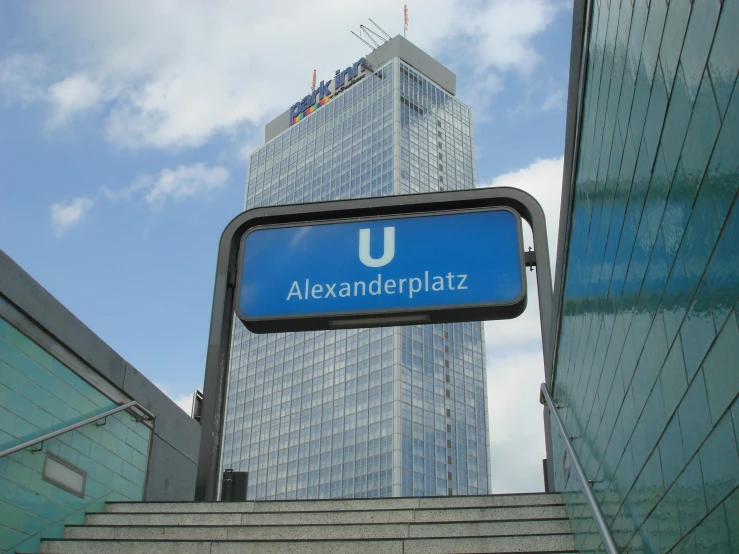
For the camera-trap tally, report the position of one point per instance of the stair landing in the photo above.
(489, 523)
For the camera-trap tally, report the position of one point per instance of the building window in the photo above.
(64, 475)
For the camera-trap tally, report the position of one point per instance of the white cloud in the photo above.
(502, 31)
(71, 96)
(517, 426)
(175, 73)
(515, 365)
(543, 180)
(177, 185)
(67, 215)
(479, 95)
(184, 182)
(184, 401)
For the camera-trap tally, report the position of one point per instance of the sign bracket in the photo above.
(222, 315)
(529, 259)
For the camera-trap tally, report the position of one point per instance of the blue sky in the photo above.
(125, 133)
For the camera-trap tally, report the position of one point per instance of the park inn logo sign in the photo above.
(326, 90)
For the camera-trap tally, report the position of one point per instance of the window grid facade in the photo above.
(368, 412)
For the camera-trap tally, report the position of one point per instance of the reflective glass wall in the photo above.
(646, 366)
(336, 414)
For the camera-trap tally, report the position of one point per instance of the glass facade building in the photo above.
(646, 358)
(397, 411)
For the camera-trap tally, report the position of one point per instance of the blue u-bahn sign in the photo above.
(410, 269)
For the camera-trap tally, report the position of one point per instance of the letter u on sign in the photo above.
(388, 248)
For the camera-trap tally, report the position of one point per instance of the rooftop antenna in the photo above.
(405, 19)
(370, 35)
(364, 41)
(313, 85)
(380, 28)
(370, 38)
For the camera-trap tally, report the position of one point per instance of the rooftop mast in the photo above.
(364, 41)
(370, 38)
(380, 29)
(405, 19)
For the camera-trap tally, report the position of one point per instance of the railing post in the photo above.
(585, 484)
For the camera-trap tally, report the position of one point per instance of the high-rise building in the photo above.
(398, 411)
(645, 365)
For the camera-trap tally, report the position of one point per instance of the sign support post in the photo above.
(222, 316)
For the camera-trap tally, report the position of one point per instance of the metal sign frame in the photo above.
(321, 321)
(222, 316)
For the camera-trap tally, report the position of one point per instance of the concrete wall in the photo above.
(32, 311)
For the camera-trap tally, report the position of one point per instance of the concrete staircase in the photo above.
(494, 523)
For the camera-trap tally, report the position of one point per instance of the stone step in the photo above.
(312, 532)
(427, 515)
(504, 544)
(491, 500)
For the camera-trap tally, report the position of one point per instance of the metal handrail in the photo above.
(605, 533)
(72, 427)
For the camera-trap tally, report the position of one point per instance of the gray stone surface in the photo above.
(539, 543)
(316, 547)
(163, 519)
(491, 514)
(323, 518)
(491, 528)
(320, 532)
(124, 547)
(235, 515)
(331, 505)
(178, 507)
(334, 505)
(300, 532)
(240, 533)
(210, 533)
(503, 523)
(491, 500)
